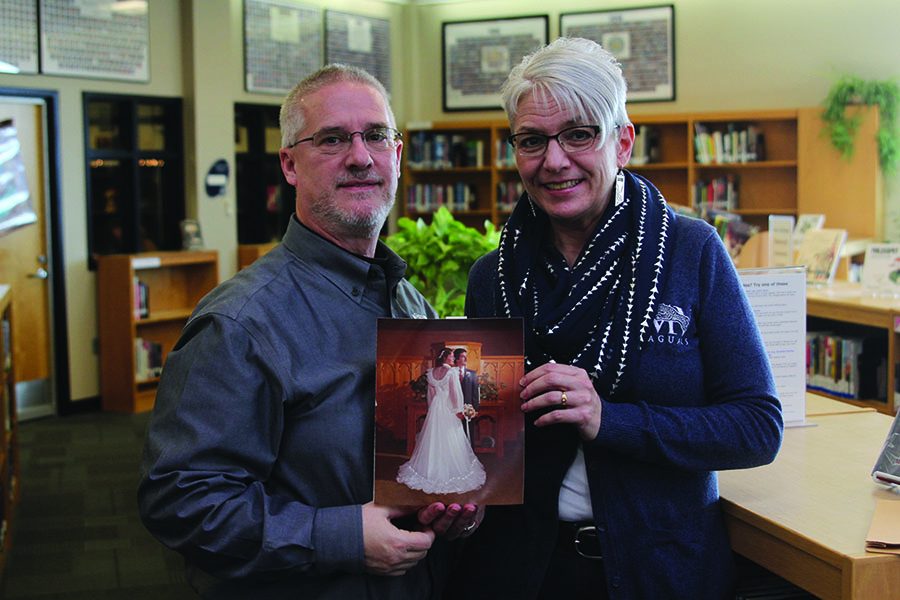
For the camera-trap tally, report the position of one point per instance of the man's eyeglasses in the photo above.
(335, 141)
(571, 139)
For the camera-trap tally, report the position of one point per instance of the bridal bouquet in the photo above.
(468, 412)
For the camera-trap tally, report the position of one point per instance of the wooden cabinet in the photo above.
(265, 201)
(9, 439)
(795, 169)
(134, 342)
(134, 163)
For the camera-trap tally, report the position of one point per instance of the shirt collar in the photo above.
(345, 269)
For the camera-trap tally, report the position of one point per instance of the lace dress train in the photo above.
(443, 461)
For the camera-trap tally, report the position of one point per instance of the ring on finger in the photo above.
(564, 400)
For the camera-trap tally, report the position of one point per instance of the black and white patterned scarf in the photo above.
(594, 314)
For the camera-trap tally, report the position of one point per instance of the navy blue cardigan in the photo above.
(704, 400)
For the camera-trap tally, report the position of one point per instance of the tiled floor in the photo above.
(77, 534)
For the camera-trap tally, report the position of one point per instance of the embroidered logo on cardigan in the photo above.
(670, 325)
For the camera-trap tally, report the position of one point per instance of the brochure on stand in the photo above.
(448, 426)
(778, 299)
(820, 252)
(881, 270)
(781, 240)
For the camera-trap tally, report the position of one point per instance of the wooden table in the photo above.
(806, 515)
(819, 406)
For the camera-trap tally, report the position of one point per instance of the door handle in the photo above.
(41, 273)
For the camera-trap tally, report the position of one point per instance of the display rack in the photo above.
(174, 283)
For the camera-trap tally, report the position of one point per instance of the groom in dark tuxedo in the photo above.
(468, 378)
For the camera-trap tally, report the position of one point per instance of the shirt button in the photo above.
(355, 291)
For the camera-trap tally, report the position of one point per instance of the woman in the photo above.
(645, 372)
(443, 461)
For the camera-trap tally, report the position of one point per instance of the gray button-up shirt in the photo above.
(259, 454)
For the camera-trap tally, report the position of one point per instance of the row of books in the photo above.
(427, 197)
(429, 150)
(148, 359)
(719, 193)
(732, 229)
(506, 154)
(734, 145)
(141, 295)
(508, 193)
(646, 146)
(846, 366)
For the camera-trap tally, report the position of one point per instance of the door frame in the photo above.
(64, 404)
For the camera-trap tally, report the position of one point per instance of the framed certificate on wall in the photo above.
(478, 55)
(641, 39)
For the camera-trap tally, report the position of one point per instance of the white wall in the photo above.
(729, 55)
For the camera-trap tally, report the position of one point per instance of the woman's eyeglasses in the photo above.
(571, 139)
(336, 141)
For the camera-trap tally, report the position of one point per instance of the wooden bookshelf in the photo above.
(248, 253)
(9, 438)
(176, 281)
(844, 305)
(477, 171)
(800, 171)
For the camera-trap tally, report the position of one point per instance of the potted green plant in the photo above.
(440, 255)
(842, 127)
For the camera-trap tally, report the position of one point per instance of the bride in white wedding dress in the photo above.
(443, 461)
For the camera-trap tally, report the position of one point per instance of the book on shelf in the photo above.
(430, 150)
(148, 359)
(820, 252)
(719, 193)
(427, 197)
(508, 193)
(645, 149)
(847, 366)
(141, 296)
(735, 143)
(505, 154)
(881, 269)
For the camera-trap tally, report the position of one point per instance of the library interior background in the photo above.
(141, 140)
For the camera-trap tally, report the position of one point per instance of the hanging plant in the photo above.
(842, 128)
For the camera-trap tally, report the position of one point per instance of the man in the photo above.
(467, 378)
(259, 457)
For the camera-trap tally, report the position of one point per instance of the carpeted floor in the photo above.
(77, 534)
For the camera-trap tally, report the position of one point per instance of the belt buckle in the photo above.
(586, 531)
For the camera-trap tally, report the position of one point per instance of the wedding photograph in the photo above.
(447, 421)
